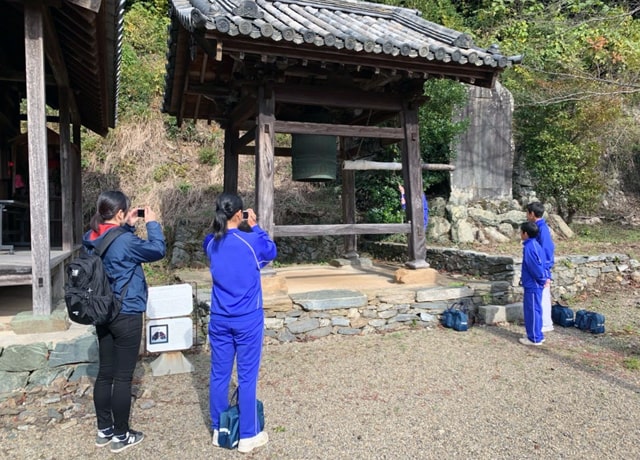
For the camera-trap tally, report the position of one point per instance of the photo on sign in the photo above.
(158, 333)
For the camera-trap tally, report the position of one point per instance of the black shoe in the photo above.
(103, 438)
(131, 439)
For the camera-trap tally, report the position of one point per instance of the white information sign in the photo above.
(170, 334)
(169, 301)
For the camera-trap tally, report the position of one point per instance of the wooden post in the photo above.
(265, 144)
(65, 170)
(348, 205)
(76, 171)
(38, 161)
(231, 159)
(412, 176)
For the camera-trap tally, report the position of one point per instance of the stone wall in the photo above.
(572, 274)
(34, 366)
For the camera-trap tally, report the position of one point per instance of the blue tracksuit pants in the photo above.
(239, 339)
(532, 309)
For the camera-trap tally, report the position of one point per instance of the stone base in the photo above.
(26, 322)
(419, 276)
(274, 303)
(274, 285)
(171, 362)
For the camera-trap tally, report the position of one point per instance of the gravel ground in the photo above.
(422, 393)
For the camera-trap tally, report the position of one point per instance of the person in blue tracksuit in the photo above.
(425, 206)
(119, 341)
(533, 280)
(236, 322)
(535, 211)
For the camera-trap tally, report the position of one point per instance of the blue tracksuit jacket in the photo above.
(235, 261)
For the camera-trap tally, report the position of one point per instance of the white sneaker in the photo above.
(215, 438)
(547, 329)
(526, 341)
(248, 444)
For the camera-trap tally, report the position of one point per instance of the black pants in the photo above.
(119, 344)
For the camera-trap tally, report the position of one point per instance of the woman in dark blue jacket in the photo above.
(236, 324)
(119, 341)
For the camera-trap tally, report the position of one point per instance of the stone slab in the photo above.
(443, 293)
(26, 322)
(330, 299)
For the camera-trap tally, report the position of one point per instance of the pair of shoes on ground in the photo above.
(245, 445)
(526, 341)
(118, 444)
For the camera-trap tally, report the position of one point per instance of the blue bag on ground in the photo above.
(455, 318)
(562, 315)
(590, 321)
(229, 429)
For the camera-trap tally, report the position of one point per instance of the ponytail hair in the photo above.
(107, 206)
(227, 205)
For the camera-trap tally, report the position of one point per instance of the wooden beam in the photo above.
(13, 76)
(38, 173)
(247, 137)
(348, 98)
(340, 229)
(481, 76)
(327, 129)
(243, 111)
(278, 151)
(365, 165)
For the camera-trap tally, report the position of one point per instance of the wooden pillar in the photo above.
(265, 146)
(231, 159)
(412, 176)
(65, 170)
(348, 204)
(76, 172)
(38, 161)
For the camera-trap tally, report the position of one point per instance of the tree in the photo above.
(577, 84)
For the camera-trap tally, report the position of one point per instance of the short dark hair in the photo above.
(530, 228)
(536, 208)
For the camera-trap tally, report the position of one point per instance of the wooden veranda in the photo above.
(256, 67)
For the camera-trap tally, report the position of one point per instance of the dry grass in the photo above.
(168, 175)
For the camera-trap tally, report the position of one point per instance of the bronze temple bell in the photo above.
(314, 156)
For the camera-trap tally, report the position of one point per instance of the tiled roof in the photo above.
(348, 25)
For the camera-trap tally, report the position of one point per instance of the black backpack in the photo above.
(87, 292)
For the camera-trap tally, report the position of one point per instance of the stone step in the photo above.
(329, 299)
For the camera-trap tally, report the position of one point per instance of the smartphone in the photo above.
(245, 215)
(140, 212)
